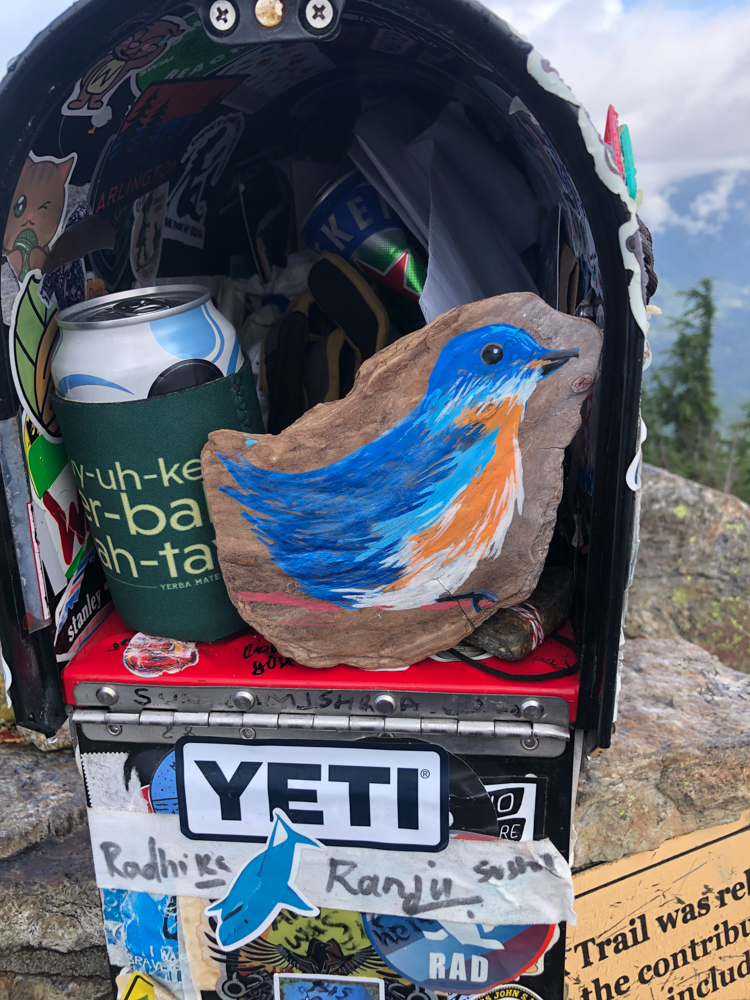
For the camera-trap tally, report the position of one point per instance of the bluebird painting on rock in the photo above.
(370, 514)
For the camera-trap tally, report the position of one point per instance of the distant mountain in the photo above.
(722, 251)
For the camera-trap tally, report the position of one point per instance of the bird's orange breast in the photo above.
(472, 519)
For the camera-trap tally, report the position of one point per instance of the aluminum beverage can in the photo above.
(142, 343)
(350, 219)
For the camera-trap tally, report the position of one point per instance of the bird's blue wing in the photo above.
(340, 528)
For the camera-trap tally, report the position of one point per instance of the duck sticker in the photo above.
(36, 213)
(122, 62)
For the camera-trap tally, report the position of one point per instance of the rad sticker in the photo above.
(456, 957)
(152, 656)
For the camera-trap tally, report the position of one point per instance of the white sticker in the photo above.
(471, 881)
(515, 805)
(388, 797)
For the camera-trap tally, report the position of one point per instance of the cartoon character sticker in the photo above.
(130, 55)
(146, 237)
(37, 211)
(152, 656)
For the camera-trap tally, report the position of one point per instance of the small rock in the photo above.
(42, 796)
(60, 741)
(680, 758)
(692, 579)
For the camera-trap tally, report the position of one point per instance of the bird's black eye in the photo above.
(491, 354)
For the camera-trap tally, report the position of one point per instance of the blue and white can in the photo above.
(142, 343)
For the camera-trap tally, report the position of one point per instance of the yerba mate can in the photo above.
(142, 344)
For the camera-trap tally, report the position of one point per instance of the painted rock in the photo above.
(381, 528)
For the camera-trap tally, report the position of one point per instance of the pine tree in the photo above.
(680, 401)
(737, 479)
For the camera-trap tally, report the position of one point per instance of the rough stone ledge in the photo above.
(680, 758)
(21, 987)
(49, 903)
(692, 578)
(42, 796)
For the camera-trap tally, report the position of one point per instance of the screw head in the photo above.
(223, 15)
(247, 733)
(385, 704)
(269, 13)
(244, 700)
(532, 709)
(107, 695)
(114, 730)
(319, 14)
(530, 743)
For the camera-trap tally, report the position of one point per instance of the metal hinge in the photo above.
(326, 723)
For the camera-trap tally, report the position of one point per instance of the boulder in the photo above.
(692, 578)
(680, 756)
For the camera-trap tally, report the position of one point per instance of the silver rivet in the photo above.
(530, 743)
(114, 730)
(385, 704)
(244, 700)
(319, 13)
(532, 709)
(222, 15)
(269, 13)
(247, 733)
(107, 695)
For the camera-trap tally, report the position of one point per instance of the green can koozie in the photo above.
(138, 471)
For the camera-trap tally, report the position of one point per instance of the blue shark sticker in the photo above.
(264, 887)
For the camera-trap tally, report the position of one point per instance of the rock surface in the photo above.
(42, 796)
(680, 757)
(51, 933)
(692, 579)
(319, 630)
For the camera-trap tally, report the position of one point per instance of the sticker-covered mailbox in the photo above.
(323, 329)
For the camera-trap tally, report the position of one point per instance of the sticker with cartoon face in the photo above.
(37, 211)
(123, 62)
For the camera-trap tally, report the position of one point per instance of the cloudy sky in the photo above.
(678, 72)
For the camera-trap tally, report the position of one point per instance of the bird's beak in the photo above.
(553, 360)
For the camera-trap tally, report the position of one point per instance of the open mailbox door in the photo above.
(323, 170)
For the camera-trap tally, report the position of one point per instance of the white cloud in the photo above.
(680, 78)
